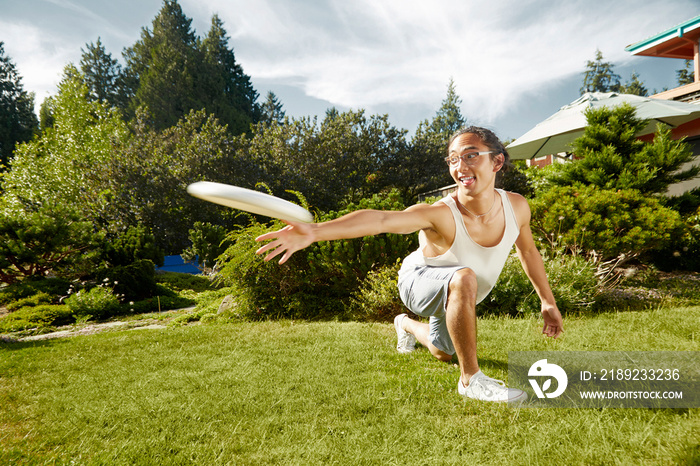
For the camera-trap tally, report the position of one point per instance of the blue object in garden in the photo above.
(177, 264)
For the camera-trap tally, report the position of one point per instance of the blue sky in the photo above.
(514, 62)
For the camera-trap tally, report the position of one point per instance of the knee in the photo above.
(464, 280)
(444, 357)
(440, 355)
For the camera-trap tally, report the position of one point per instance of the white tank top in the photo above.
(486, 263)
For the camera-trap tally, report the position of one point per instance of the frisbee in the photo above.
(249, 200)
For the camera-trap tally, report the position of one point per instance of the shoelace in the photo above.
(405, 338)
(486, 381)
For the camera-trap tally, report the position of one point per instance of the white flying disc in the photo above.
(249, 200)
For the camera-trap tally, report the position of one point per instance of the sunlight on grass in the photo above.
(319, 393)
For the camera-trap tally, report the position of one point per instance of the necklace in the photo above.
(485, 213)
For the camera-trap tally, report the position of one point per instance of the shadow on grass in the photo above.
(10, 344)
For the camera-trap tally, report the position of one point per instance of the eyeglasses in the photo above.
(470, 158)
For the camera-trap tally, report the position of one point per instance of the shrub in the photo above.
(263, 289)
(611, 157)
(184, 281)
(316, 282)
(609, 222)
(31, 301)
(37, 240)
(98, 302)
(347, 262)
(516, 180)
(377, 299)
(208, 243)
(44, 315)
(137, 243)
(133, 282)
(572, 278)
(683, 252)
(27, 288)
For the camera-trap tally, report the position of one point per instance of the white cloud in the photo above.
(38, 57)
(366, 53)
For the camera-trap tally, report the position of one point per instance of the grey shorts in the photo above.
(423, 289)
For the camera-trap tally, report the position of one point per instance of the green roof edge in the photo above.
(673, 32)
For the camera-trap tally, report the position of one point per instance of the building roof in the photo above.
(677, 42)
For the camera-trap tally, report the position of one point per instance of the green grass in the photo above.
(320, 393)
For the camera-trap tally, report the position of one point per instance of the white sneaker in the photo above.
(485, 388)
(406, 341)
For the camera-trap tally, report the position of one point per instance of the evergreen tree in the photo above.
(686, 75)
(102, 74)
(424, 169)
(18, 122)
(331, 113)
(599, 76)
(272, 109)
(163, 67)
(634, 86)
(171, 71)
(231, 95)
(448, 118)
(41, 238)
(611, 157)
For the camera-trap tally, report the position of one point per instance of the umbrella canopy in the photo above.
(555, 134)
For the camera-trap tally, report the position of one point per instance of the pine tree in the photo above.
(599, 76)
(611, 156)
(272, 109)
(425, 169)
(102, 74)
(634, 86)
(448, 118)
(686, 75)
(163, 67)
(18, 122)
(171, 72)
(230, 93)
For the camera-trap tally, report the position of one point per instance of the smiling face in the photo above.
(479, 174)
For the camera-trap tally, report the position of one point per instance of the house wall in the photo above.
(548, 160)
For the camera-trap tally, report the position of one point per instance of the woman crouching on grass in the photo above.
(465, 239)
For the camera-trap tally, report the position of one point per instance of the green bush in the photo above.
(346, 263)
(31, 301)
(37, 240)
(208, 242)
(572, 278)
(136, 244)
(184, 281)
(317, 282)
(27, 288)
(42, 316)
(98, 302)
(683, 252)
(377, 299)
(609, 222)
(132, 282)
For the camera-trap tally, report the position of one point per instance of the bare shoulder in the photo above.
(520, 207)
(429, 209)
(437, 214)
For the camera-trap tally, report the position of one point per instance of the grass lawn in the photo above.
(321, 393)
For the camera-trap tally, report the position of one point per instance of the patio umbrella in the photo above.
(553, 135)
